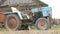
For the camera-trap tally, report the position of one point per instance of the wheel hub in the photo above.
(42, 23)
(12, 22)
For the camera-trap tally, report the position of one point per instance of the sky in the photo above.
(55, 4)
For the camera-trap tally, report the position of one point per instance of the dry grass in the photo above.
(3, 31)
(54, 30)
(31, 32)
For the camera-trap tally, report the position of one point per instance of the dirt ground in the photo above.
(31, 32)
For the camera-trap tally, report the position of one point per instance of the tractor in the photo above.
(20, 14)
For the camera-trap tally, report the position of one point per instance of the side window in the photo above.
(34, 9)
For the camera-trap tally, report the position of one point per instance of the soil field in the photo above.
(31, 32)
(54, 30)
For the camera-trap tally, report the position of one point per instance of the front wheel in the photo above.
(12, 22)
(42, 24)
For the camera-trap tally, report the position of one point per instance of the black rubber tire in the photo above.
(18, 21)
(47, 23)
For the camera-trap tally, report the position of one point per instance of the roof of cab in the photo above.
(23, 3)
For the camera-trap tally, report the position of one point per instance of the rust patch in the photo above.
(2, 17)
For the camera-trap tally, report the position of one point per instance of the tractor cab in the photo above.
(42, 11)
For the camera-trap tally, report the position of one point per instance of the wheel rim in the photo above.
(12, 22)
(42, 24)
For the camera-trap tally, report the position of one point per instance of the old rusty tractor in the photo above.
(20, 14)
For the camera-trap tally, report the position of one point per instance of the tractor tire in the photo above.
(12, 22)
(42, 24)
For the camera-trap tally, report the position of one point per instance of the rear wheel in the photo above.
(12, 22)
(42, 24)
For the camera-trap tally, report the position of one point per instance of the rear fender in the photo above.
(14, 13)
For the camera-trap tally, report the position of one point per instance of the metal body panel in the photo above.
(46, 11)
(2, 17)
